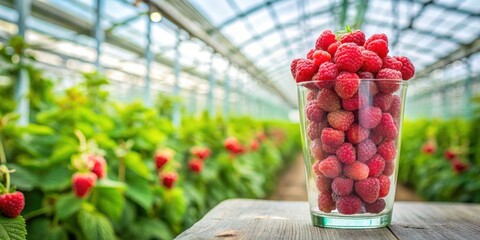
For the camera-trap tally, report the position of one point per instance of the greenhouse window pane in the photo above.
(217, 11)
(237, 32)
(261, 21)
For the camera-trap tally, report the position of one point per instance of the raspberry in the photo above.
(376, 165)
(389, 168)
(82, 183)
(328, 100)
(168, 179)
(325, 39)
(332, 49)
(356, 133)
(368, 189)
(387, 150)
(332, 137)
(348, 57)
(408, 70)
(371, 62)
(313, 111)
(365, 150)
(372, 88)
(329, 149)
(293, 67)
(356, 171)
(387, 86)
(346, 84)
(387, 126)
(376, 137)
(377, 36)
(355, 102)
(342, 186)
(310, 54)
(396, 107)
(313, 130)
(340, 120)
(320, 57)
(323, 183)
(375, 207)
(99, 165)
(162, 157)
(196, 165)
(304, 70)
(311, 95)
(369, 117)
(357, 37)
(449, 154)
(12, 204)
(346, 153)
(254, 145)
(200, 152)
(316, 149)
(378, 46)
(349, 204)
(325, 202)
(383, 101)
(330, 167)
(384, 185)
(327, 72)
(365, 75)
(392, 63)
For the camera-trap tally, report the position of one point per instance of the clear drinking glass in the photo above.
(351, 149)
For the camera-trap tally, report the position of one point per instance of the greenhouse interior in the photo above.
(133, 119)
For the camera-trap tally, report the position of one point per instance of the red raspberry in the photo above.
(254, 145)
(82, 183)
(316, 149)
(200, 152)
(349, 204)
(449, 154)
(332, 137)
(387, 150)
(327, 72)
(162, 157)
(372, 62)
(346, 153)
(357, 37)
(346, 84)
(293, 67)
(365, 75)
(315, 167)
(395, 108)
(408, 70)
(375, 207)
(99, 165)
(376, 137)
(458, 166)
(356, 133)
(310, 54)
(313, 131)
(325, 39)
(356, 171)
(429, 148)
(348, 57)
(330, 167)
(383, 101)
(312, 95)
(369, 117)
(384, 185)
(342, 186)
(305, 70)
(389, 168)
(355, 102)
(196, 165)
(372, 88)
(376, 165)
(332, 49)
(378, 46)
(325, 202)
(392, 63)
(387, 86)
(329, 149)
(323, 183)
(340, 120)
(12, 204)
(368, 189)
(387, 126)
(377, 36)
(168, 179)
(313, 111)
(320, 57)
(328, 100)
(365, 150)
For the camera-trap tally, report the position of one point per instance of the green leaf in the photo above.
(133, 161)
(39, 129)
(109, 201)
(95, 226)
(23, 178)
(12, 228)
(67, 205)
(39, 229)
(149, 228)
(139, 191)
(56, 179)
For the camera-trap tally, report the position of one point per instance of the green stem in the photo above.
(82, 140)
(3, 156)
(7, 172)
(121, 169)
(38, 212)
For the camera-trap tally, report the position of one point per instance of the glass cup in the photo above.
(351, 142)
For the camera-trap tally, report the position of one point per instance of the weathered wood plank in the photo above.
(436, 221)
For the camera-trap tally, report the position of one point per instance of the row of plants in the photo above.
(93, 168)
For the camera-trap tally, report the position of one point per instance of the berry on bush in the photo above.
(200, 152)
(162, 157)
(168, 179)
(196, 165)
(82, 183)
(429, 148)
(99, 165)
(12, 204)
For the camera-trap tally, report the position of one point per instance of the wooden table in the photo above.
(261, 219)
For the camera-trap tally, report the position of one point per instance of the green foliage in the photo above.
(12, 229)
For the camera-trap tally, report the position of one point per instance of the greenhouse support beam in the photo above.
(176, 86)
(227, 83)
(468, 89)
(149, 59)
(22, 89)
(211, 86)
(98, 32)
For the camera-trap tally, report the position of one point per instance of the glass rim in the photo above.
(398, 81)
